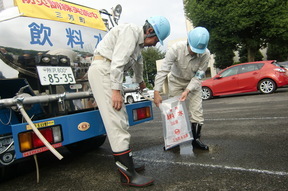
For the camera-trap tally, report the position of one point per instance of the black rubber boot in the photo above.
(129, 176)
(196, 131)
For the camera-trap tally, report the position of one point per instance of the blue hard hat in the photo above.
(161, 27)
(198, 39)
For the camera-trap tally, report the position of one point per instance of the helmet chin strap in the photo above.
(150, 35)
(146, 27)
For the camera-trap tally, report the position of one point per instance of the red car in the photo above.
(263, 76)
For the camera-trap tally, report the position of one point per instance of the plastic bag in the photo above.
(175, 121)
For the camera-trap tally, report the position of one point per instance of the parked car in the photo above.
(284, 64)
(131, 97)
(130, 86)
(148, 93)
(263, 76)
(132, 93)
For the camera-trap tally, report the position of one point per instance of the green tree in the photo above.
(243, 55)
(150, 55)
(240, 23)
(278, 51)
(224, 54)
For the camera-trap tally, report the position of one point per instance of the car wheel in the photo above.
(206, 93)
(267, 86)
(130, 99)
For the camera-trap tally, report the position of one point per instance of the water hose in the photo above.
(37, 168)
(148, 98)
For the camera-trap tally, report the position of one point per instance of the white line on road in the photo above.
(232, 119)
(217, 166)
(223, 166)
(248, 118)
(281, 173)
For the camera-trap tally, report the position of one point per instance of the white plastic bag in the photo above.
(175, 120)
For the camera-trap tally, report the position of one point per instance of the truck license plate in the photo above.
(55, 75)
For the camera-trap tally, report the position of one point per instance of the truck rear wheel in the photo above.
(7, 172)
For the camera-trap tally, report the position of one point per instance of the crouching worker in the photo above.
(119, 51)
(187, 62)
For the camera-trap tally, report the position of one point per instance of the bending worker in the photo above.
(186, 62)
(119, 51)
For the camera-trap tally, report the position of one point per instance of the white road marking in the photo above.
(248, 118)
(216, 166)
(270, 172)
(231, 119)
(222, 166)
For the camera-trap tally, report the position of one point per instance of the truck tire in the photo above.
(8, 172)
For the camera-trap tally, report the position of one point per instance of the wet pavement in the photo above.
(247, 136)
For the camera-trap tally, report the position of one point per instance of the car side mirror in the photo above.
(218, 77)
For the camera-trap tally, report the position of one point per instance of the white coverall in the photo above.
(119, 50)
(182, 68)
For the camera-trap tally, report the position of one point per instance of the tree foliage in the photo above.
(240, 23)
(243, 55)
(150, 55)
(278, 50)
(224, 54)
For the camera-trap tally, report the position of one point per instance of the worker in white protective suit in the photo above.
(186, 62)
(119, 51)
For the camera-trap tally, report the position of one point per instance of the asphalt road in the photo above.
(248, 139)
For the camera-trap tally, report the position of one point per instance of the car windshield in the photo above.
(229, 72)
(131, 86)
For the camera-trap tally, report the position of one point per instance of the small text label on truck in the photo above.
(41, 124)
